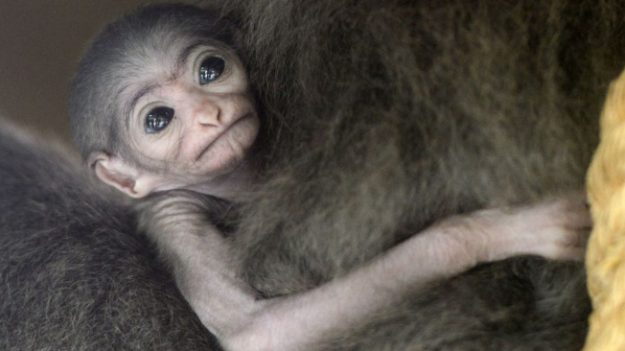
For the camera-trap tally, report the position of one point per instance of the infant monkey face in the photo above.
(198, 117)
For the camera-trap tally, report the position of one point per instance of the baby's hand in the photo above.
(555, 229)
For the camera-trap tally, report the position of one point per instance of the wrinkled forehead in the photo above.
(157, 60)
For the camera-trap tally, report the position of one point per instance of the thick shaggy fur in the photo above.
(381, 118)
(399, 114)
(74, 275)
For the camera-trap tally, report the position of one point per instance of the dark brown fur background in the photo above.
(381, 117)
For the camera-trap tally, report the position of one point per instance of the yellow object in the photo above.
(605, 259)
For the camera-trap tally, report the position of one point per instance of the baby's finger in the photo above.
(563, 253)
(576, 238)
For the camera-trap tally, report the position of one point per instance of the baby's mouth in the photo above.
(222, 133)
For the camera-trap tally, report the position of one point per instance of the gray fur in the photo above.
(381, 117)
(74, 275)
(424, 110)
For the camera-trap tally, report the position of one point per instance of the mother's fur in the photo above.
(381, 118)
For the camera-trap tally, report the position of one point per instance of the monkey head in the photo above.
(162, 101)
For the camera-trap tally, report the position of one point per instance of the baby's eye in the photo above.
(158, 119)
(210, 69)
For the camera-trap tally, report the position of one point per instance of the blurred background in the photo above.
(40, 44)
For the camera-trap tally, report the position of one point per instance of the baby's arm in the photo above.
(555, 229)
(200, 258)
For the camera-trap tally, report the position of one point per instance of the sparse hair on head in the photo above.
(116, 55)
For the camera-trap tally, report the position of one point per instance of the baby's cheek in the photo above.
(246, 133)
(161, 147)
(161, 151)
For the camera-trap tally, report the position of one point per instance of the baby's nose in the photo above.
(207, 113)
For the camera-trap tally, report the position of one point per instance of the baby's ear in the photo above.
(122, 175)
